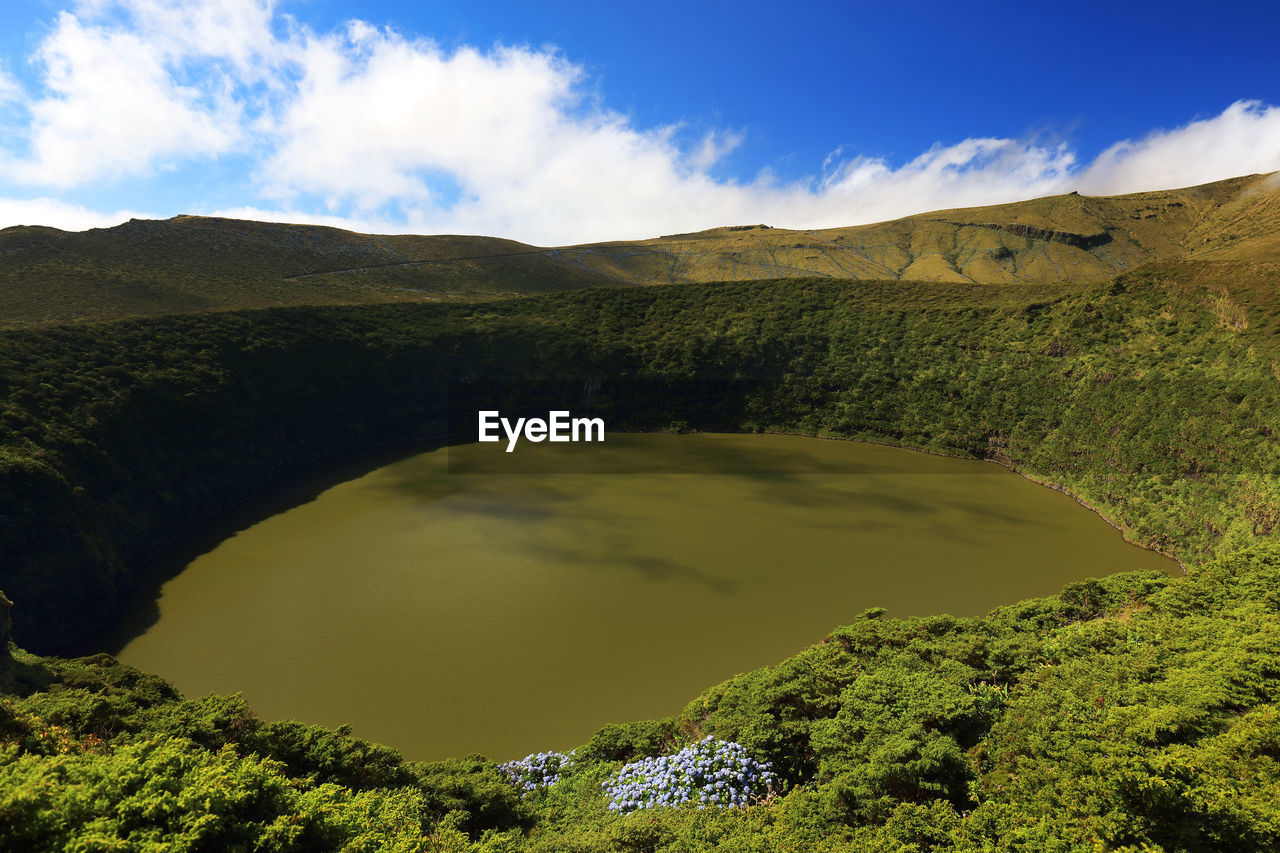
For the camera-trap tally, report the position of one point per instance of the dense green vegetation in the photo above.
(1136, 712)
(1133, 712)
(1154, 406)
(192, 264)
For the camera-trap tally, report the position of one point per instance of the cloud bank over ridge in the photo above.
(380, 131)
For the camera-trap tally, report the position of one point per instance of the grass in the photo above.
(194, 264)
(1137, 712)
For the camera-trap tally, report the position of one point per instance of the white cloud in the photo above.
(1244, 139)
(368, 128)
(374, 111)
(115, 100)
(971, 172)
(238, 31)
(10, 89)
(59, 214)
(294, 216)
(378, 115)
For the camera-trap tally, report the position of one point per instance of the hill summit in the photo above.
(193, 263)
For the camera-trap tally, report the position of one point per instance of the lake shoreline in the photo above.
(560, 588)
(147, 576)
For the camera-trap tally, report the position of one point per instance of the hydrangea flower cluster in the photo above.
(539, 770)
(708, 773)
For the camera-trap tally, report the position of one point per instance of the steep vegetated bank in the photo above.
(1136, 710)
(1155, 407)
(1133, 713)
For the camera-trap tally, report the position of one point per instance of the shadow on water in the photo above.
(567, 597)
(703, 453)
(790, 471)
(779, 473)
(140, 609)
(652, 568)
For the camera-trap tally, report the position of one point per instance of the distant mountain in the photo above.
(1065, 238)
(192, 263)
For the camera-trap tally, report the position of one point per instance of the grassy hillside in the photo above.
(1152, 397)
(1068, 238)
(1137, 712)
(1243, 228)
(192, 264)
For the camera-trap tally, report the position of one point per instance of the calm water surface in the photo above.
(445, 614)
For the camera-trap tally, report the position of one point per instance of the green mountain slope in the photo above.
(1138, 712)
(1067, 238)
(1152, 397)
(189, 264)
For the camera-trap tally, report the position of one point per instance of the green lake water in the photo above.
(446, 613)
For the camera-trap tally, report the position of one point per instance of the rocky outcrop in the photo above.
(1087, 242)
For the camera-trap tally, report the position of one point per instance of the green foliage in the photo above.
(116, 438)
(1132, 712)
(625, 742)
(191, 264)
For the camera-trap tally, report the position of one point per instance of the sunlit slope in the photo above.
(188, 264)
(1245, 228)
(1066, 238)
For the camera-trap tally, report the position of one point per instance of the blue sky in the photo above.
(557, 122)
